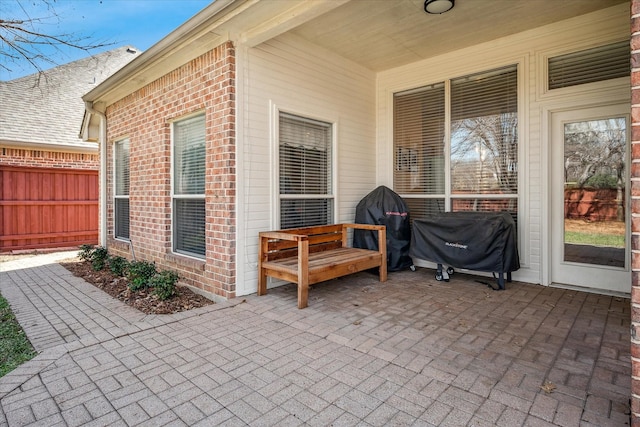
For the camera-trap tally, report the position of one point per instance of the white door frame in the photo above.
(596, 278)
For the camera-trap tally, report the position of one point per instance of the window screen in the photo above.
(306, 190)
(188, 186)
(121, 191)
(590, 65)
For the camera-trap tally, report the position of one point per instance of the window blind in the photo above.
(189, 186)
(121, 193)
(484, 133)
(189, 152)
(304, 171)
(419, 124)
(590, 65)
(189, 226)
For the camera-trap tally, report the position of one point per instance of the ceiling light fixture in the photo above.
(438, 6)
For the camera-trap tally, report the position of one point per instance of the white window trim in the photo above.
(543, 92)
(172, 196)
(275, 164)
(115, 195)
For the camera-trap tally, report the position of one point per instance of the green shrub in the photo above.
(139, 273)
(86, 252)
(601, 181)
(164, 284)
(99, 258)
(118, 265)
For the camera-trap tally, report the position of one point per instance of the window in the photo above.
(590, 65)
(476, 168)
(188, 186)
(306, 189)
(121, 190)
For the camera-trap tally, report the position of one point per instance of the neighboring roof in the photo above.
(46, 109)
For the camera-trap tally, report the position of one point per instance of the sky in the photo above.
(112, 23)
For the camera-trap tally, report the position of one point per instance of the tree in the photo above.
(488, 144)
(23, 39)
(595, 152)
(592, 148)
(484, 156)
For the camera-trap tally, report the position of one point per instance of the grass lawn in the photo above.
(594, 239)
(604, 233)
(15, 348)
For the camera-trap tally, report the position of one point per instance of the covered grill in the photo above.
(481, 241)
(384, 207)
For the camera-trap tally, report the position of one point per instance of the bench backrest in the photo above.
(320, 238)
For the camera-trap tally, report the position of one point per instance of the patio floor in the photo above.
(411, 351)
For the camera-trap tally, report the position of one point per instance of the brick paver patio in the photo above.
(411, 351)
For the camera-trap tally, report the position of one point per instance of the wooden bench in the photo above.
(314, 254)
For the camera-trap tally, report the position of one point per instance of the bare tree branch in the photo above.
(22, 39)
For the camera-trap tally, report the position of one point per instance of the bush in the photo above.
(164, 284)
(99, 258)
(118, 265)
(601, 181)
(86, 251)
(139, 273)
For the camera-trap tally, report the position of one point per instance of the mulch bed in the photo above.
(143, 300)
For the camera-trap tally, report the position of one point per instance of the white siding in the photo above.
(529, 50)
(297, 77)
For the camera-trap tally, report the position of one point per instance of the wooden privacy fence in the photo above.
(594, 204)
(47, 208)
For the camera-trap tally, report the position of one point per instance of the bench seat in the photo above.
(310, 255)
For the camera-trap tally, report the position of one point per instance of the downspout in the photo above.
(102, 143)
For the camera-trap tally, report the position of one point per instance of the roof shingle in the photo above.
(47, 107)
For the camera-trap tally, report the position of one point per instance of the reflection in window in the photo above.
(594, 191)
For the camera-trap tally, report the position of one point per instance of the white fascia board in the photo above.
(81, 147)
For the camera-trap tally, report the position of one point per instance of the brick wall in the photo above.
(635, 212)
(10, 156)
(205, 84)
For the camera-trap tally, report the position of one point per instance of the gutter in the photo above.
(102, 143)
(85, 148)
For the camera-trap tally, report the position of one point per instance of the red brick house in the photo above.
(263, 115)
(48, 174)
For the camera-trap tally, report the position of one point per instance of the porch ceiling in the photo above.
(377, 34)
(383, 34)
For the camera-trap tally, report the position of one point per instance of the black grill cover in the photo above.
(384, 207)
(482, 241)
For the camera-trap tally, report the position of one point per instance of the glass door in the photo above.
(589, 213)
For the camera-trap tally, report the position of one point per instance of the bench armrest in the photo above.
(282, 236)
